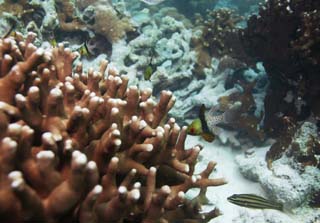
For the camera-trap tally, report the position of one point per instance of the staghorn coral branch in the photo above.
(66, 132)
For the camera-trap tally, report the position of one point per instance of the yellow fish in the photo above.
(206, 125)
(83, 50)
(195, 128)
(53, 43)
(148, 73)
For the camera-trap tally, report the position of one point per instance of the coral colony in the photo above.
(94, 94)
(84, 147)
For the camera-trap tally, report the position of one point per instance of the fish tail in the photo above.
(280, 207)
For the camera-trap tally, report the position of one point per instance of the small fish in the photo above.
(215, 116)
(83, 50)
(195, 128)
(148, 72)
(53, 42)
(207, 124)
(7, 27)
(152, 2)
(254, 201)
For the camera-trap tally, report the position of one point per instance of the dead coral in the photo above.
(84, 147)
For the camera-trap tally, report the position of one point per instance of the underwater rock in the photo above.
(50, 21)
(285, 37)
(301, 142)
(284, 183)
(305, 144)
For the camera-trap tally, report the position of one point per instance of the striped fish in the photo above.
(254, 201)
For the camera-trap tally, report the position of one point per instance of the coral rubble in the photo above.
(83, 147)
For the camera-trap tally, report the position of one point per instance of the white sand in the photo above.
(237, 184)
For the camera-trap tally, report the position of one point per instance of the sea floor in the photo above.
(227, 167)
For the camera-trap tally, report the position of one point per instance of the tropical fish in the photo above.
(53, 42)
(83, 50)
(195, 128)
(7, 27)
(152, 2)
(254, 201)
(148, 72)
(207, 125)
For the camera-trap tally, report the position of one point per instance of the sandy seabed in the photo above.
(237, 184)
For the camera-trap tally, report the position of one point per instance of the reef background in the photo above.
(262, 55)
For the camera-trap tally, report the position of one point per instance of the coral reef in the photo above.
(217, 36)
(69, 21)
(285, 182)
(20, 15)
(54, 18)
(228, 83)
(289, 170)
(190, 7)
(101, 17)
(219, 32)
(245, 5)
(285, 37)
(164, 43)
(301, 142)
(247, 123)
(85, 147)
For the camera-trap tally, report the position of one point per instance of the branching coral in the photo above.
(84, 147)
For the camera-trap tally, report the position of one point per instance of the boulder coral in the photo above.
(85, 147)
